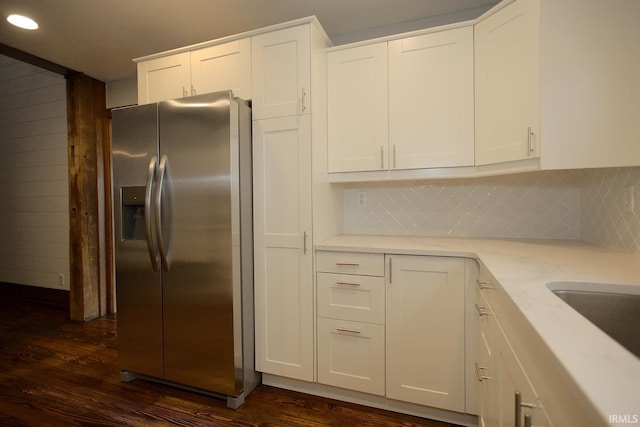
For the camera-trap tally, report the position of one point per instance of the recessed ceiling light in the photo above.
(22, 22)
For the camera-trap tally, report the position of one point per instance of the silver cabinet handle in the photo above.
(347, 284)
(184, 91)
(343, 329)
(394, 156)
(148, 216)
(193, 90)
(381, 157)
(482, 310)
(479, 375)
(484, 285)
(347, 264)
(305, 243)
(163, 248)
(519, 404)
(530, 142)
(304, 100)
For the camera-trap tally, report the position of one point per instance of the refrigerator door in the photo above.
(138, 281)
(196, 220)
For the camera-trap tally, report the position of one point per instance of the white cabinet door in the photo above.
(223, 67)
(357, 109)
(351, 355)
(518, 401)
(431, 100)
(425, 331)
(486, 364)
(281, 73)
(508, 84)
(283, 246)
(163, 78)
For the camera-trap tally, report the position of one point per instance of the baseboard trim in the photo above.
(54, 298)
(379, 402)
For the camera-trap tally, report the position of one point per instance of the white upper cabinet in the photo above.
(225, 66)
(163, 78)
(507, 84)
(358, 108)
(554, 80)
(402, 104)
(431, 100)
(281, 73)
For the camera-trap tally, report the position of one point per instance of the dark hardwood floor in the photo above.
(54, 372)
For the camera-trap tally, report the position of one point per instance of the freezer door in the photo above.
(138, 286)
(197, 221)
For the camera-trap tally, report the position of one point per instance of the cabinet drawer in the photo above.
(350, 263)
(351, 355)
(351, 297)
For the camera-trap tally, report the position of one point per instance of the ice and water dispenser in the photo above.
(133, 213)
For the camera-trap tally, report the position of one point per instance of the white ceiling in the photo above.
(100, 37)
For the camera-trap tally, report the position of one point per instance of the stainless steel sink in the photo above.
(615, 313)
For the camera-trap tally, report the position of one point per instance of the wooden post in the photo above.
(86, 117)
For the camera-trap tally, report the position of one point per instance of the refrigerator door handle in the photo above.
(162, 169)
(148, 218)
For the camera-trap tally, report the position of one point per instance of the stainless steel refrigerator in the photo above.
(183, 244)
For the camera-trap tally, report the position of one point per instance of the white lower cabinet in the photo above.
(519, 406)
(351, 355)
(351, 333)
(505, 394)
(425, 331)
(486, 364)
(394, 328)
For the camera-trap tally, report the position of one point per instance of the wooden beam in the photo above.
(86, 118)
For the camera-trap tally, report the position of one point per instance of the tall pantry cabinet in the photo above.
(282, 79)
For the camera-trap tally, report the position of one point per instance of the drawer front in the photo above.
(351, 355)
(351, 297)
(350, 263)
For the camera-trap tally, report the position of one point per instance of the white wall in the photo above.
(34, 221)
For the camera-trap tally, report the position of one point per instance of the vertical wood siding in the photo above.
(34, 220)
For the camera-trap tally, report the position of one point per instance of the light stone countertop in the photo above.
(607, 374)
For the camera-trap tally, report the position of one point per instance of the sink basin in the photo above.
(616, 313)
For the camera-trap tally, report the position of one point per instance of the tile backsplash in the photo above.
(533, 205)
(603, 216)
(586, 204)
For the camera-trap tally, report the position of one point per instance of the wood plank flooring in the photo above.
(55, 372)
